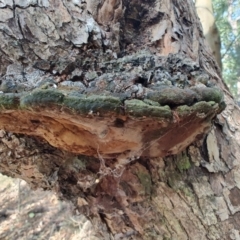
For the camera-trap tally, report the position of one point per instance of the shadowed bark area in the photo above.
(110, 104)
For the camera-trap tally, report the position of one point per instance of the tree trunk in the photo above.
(205, 12)
(113, 104)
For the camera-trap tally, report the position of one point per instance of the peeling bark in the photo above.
(110, 103)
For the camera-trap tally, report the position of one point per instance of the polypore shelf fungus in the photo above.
(138, 105)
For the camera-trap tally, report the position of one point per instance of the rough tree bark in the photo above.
(113, 104)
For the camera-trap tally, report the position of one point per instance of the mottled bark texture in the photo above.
(113, 105)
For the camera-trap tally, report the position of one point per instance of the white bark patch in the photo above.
(222, 211)
(5, 15)
(202, 188)
(58, 13)
(79, 35)
(159, 30)
(43, 3)
(233, 209)
(213, 151)
(234, 234)
(47, 27)
(77, 2)
(236, 175)
(30, 29)
(4, 3)
(215, 164)
(25, 3)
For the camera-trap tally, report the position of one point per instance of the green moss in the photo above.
(94, 104)
(151, 103)
(173, 179)
(200, 107)
(9, 101)
(78, 164)
(184, 110)
(172, 96)
(42, 97)
(183, 162)
(139, 108)
(187, 191)
(209, 94)
(166, 237)
(205, 107)
(146, 182)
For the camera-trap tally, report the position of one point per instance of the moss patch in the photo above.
(42, 98)
(209, 94)
(138, 108)
(151, 103)
(146, 181)
(173, 179)
(9, 101)
(173, 96)
(200, 107)
(94, 104)
(182, 162)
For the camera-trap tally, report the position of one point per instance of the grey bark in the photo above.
(71, 68)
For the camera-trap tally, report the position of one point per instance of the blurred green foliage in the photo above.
(227, 15)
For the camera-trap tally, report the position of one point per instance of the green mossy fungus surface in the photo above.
(208, 94)
(146, 182)
(200, 107)
(80, 104)
(183, 162)
(94, 104)
(101, 105)
(174, 96)
(138, 108)
(42, 98)
(9, 101)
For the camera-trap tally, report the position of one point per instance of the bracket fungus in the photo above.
(139, 105)
(87, 124)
